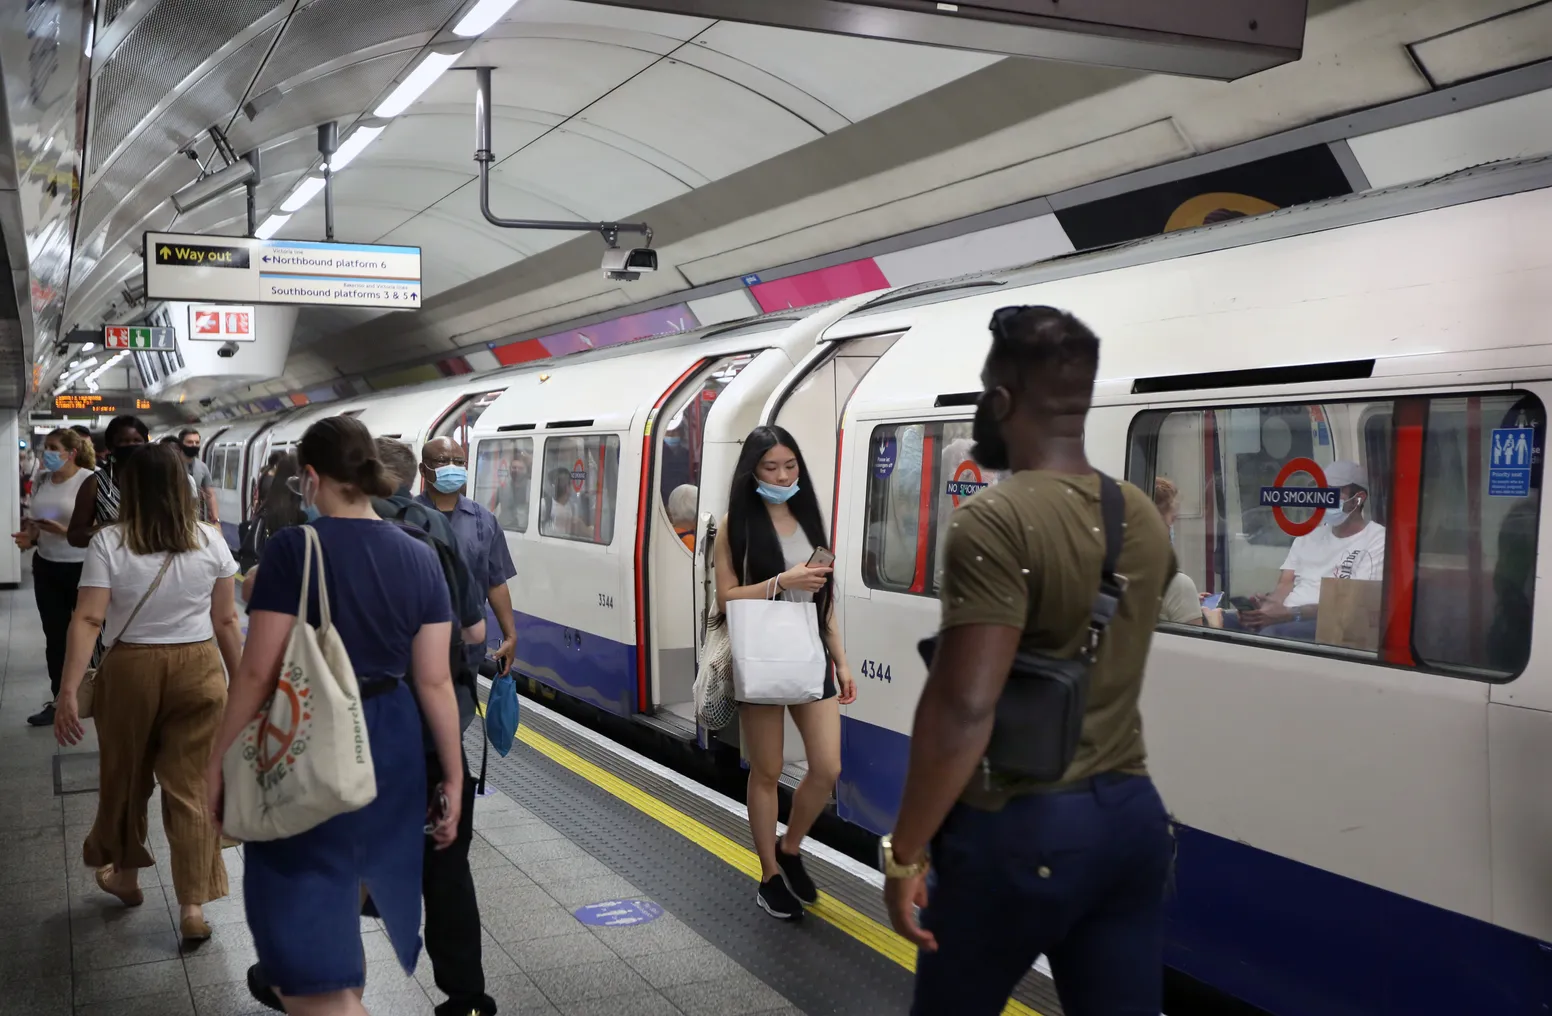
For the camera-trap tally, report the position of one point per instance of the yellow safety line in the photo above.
(859, 926)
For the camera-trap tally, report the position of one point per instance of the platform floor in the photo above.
(572, 821)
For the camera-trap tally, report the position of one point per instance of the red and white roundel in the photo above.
(965, 481)
(578, 475)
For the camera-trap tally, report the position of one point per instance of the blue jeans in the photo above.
(1078, 876)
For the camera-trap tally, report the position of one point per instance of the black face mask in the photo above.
(123, 453)
(990, 450)
(190, 451)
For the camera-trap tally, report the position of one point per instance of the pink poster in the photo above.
(820, 286)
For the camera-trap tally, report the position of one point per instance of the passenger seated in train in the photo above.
(510, 505)
(1181, 604)
(1346, 546)
(681, 512)
(563, 514)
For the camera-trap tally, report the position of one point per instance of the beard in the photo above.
(989, 450)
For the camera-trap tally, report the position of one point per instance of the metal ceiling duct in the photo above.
(1219, 39)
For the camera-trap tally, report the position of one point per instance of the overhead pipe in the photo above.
(328, 144)
(610, 231)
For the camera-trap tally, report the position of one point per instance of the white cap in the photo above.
(1347, 474)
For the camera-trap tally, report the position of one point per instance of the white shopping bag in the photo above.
(778, 658)
(306, 757)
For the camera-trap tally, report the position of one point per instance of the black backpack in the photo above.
(458, 662)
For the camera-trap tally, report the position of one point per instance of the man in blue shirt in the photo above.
(481, 542)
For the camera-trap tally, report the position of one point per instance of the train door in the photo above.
(690, 476)
(458, 423)
(811, 410)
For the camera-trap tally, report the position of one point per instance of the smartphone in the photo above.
(1243, 602)
(438, 810)
(821, 558)
(1211, 603)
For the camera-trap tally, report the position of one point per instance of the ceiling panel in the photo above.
(340, 95)
(857, 77)
(321, 31)
(558, 76)
(573, 12)
(164, 48)
(587, 175)
(446, 140)
(700, 119)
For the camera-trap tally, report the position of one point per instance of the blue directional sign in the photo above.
(1513, 451)
(618, 913)
(751, 280)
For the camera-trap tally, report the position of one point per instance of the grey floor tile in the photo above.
(51, 888)
(129, 982)
(516, 900)
(514, 993)
(528, 831)
(531, 923)
(409, 1001)
(212, 967)
(648, 1003)
(727, 997)
(35, 996)
(491, 883)
(786, 1010)
(522, 854)
(665, 934)
(597, 889)
(377, 946)
(558, 951)
(36, 925)
(589, 980)
(171, 1003)
(25, 963)
(29, 867)
(566, 869)
(684, 966)
(482, 855)
(230, 999)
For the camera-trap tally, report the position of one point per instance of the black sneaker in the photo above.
(777, 900)
(43, 718)
(796, 877)
(258, 987)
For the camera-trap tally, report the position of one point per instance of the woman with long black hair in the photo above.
(770, 532)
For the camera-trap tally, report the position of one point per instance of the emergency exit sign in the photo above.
(137, 337)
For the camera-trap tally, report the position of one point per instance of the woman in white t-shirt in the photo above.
(159, 585)
(56, 567)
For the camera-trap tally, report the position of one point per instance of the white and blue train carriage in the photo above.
(1363, 823)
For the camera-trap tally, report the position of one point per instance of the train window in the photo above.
(232, 475)
(458, 423)
(577, 494)
(502, 469)
(683, 437)
(1300, 520)
(918, 473)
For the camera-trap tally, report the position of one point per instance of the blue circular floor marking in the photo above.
(618, 913)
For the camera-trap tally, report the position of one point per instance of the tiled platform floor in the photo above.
(66, 948)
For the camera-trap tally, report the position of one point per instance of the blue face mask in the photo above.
(451, 479)
(774, 494)
(312, 512)
(53, 461)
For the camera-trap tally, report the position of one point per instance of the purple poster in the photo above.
(663, 321)
(618, 913)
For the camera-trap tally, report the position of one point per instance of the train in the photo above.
(1361, 822)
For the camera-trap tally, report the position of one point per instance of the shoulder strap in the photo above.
(143, 598)
(1112, 506)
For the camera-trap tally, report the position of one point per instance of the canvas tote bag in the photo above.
(778, 658)
(305, 758)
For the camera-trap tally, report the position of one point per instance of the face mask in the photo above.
(53, 461)
(1336, 518)
(451, 479)
(190, 451)
(312, 512)
(774, 494)
(990, 450)
(123, 453)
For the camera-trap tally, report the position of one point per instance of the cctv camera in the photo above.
(207, 401)
(227, 350)
(623, 264)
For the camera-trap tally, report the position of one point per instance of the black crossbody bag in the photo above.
(1040, 714)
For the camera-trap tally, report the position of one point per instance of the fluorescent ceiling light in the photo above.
(485, 14)
(353, 146)
(88, 347)
(303, 194)
(420, 79)
(271, 226)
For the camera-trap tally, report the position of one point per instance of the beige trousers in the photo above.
(158, 709)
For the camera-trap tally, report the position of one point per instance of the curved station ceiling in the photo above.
(745, 146)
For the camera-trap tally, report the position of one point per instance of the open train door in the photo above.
(811, 406)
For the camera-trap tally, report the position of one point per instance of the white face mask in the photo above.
(1347, 511)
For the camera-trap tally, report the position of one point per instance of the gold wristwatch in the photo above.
(893, 868)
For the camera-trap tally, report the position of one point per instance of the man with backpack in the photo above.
(452, 932)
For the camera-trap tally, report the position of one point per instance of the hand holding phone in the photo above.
(1211, 602)
(821, 558)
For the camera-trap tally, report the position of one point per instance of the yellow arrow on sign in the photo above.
(165, 252)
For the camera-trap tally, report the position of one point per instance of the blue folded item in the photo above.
(502, 713)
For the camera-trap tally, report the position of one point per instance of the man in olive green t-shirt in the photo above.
(1073, 870)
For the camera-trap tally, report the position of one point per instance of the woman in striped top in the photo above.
(97, 504)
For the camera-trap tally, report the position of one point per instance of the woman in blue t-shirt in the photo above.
(389, 602)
